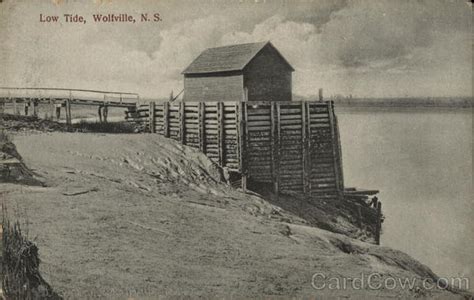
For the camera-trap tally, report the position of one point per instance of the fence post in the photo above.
(151, 117)
(379, 223)
(166, 119)
(182, 120)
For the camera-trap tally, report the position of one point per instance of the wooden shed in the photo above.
(243, 72)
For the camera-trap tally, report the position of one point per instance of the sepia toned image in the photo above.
(236, 149)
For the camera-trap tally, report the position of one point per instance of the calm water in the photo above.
(421, 161)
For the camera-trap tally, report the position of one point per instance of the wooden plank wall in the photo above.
(293, 145)
(258, 133)
(211, 127)
(324, 171)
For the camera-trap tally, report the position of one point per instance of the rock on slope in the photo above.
(141, 215)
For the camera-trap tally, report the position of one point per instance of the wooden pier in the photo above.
(292, 147)
(66, 98)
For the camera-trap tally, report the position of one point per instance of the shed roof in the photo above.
(228, 58)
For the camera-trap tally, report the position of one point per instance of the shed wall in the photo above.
(267, 77)
(216, 87)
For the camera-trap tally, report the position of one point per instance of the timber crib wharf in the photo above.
(292, 145)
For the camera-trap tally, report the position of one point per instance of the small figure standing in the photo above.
(35, 107)
(374, 201)
(27, 106)
(99, 111)
(105, 113)
(58, 110)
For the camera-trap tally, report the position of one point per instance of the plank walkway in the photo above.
(66, 98)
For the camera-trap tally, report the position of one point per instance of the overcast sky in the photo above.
(365, 48)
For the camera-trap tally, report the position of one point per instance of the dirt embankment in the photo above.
(17, 123)
(12, 168)
(142, 216)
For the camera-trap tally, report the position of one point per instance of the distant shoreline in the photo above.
(348, 109)
(421, 103)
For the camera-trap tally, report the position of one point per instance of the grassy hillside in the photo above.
(140, 215)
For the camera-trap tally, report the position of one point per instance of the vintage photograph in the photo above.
(236, 149)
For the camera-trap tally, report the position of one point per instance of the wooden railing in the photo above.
(292, 145)
(86, 96)
(64, 97)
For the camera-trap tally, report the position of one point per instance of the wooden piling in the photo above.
(15, 108)
(339, 152)
(68, 112)
(304, 153)
(244, 182)
(166, 119)
(238, 127)
(220, 132)
(99, 112)
(274, 147)
(68, 109)
(10, 98)
(334, 148)
(201, 123)
(106, 112)
(151, 117)
(35, 107)
(244, 144)
(182, 128)
(52, 108)
(378, 227)
(278, 152)
(308, 147)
